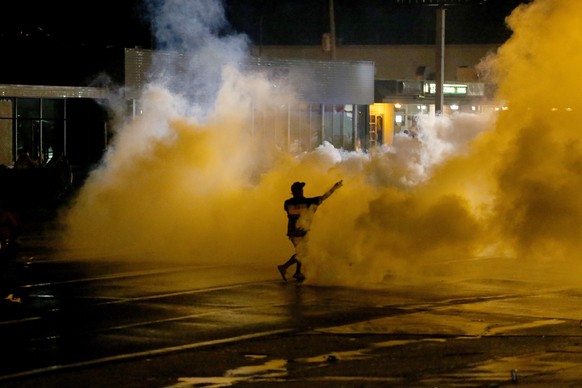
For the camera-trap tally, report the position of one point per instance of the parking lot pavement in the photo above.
(471, 337)
(111, 324)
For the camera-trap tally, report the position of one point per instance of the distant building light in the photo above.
(397, 105)
(454, 107)
(457, 89)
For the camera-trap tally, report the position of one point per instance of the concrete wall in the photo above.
(394, 61)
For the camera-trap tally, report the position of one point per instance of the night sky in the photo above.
(65, 36)
(126, 22)
(367, 21)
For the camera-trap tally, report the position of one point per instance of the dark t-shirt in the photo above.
(297, 207)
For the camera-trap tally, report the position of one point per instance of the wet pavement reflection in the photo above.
(123, 324)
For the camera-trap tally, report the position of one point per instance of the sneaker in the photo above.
(299, 277)
(282, 271)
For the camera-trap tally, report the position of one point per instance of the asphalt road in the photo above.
(117, 324)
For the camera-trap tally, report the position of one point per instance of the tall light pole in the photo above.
(332, 28)
(441, 6)
(440, 60)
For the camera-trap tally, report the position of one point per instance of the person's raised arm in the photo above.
(337, 185)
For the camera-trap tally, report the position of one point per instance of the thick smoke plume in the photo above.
(186, 182)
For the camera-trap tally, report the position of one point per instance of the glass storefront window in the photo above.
(328, 123)
(40, 128)
(53, 142)
(338, 129)
(28, 108)
(314, 126)
(28, 138)
(299, 128)
(304, 127)
(348, 125)
(53, 108)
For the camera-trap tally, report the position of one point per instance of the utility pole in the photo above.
(332, 28)
(440, 40)
(440, 59)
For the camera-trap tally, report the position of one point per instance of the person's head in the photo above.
(297, 189)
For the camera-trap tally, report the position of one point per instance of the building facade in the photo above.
(45, 121)
(331, 105)
(404, 81)
(357, 101)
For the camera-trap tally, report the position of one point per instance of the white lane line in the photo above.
(150, 297)
(188, 292)
(122, 275)
(148, 353)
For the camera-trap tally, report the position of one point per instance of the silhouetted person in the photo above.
(9, 232)
(24, 161)
(300, 211)
(60, 177)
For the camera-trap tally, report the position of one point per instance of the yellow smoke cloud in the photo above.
(173, 188)
(538, 138)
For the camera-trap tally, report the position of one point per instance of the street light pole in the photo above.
(440, 40)
(332, 28)
(440, 59)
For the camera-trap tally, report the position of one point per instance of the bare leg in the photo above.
(292, 260)
(298, 243)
